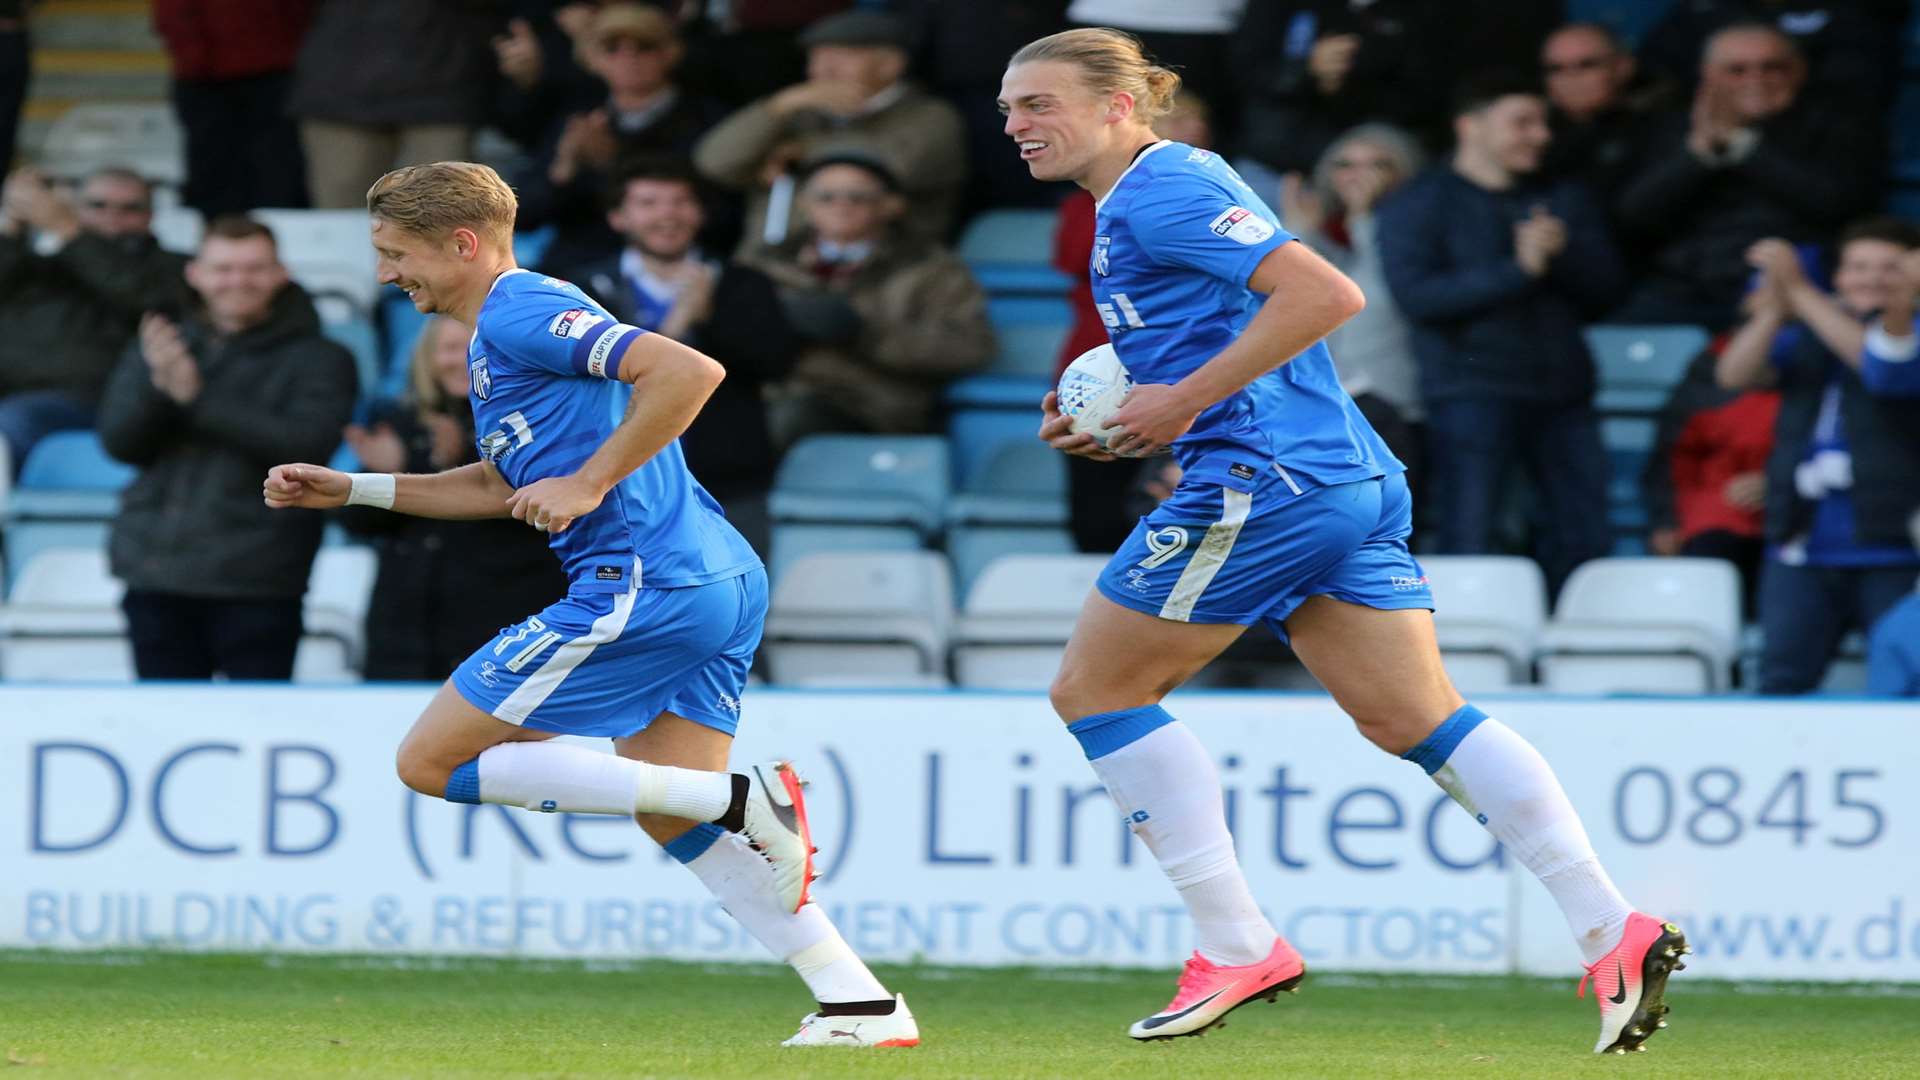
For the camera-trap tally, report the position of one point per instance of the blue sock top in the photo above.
(464, 784)
(1438, 746)
(1103, 733)
(694, 843)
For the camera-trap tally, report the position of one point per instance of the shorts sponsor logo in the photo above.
(1241, 225)
(489, 674)
(729, 703)
(1403, 583)
(574, 324)
(1164, 544)
(1240, 472)
(1137, 580)
(607, 573)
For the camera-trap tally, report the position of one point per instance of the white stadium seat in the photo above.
(1018, 617)
(333, 647)
(880, 615)
(63, 621)
(1488, 612)
(327, 251)
(1655, 626)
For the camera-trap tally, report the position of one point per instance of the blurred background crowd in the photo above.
(1641, 281)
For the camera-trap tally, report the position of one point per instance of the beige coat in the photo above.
(918, 135)
(924, 322)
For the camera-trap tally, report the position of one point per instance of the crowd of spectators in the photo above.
(780, 184)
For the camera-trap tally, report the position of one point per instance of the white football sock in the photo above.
(741, 880)
(1168, 789)
(563, 778)
(1499, 777)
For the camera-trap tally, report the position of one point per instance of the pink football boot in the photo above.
(1630, 983)
(1208, 992)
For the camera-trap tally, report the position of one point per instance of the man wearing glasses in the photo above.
(1748, 159)
(75, 277)
(883, 319)
(1596, 120)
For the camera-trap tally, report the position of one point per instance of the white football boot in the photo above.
(776, 826)
(894, 1029)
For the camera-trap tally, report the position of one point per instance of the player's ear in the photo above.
(466, 243)
(1119, 107)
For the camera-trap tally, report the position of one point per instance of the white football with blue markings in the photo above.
(1092, 389)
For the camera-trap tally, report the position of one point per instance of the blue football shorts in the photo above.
(606, 664)
(1216, 554)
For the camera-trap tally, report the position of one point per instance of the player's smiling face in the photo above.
(427, 270)
(1060, 125)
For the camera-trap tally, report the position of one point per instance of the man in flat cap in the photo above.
(854, 99)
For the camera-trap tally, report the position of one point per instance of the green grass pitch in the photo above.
(154, 1014)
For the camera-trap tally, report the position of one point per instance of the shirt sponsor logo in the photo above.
(574, 324)
(1101, 246)
(1241, 225)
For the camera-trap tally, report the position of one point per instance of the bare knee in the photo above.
(420, 772)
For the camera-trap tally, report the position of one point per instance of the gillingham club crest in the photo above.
(478, 375)
(1100, 246)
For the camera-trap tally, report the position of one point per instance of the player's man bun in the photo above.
(1110, 62)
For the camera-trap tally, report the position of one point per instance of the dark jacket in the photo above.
(1399, 75)
(445, 587)
(727, 447)
(1481, 326)
(65, 317)
(1601, 153)
(193, 522)
(1883, 437)
(1810, 173)
(578, 209)
(231, 39)
(388, 63)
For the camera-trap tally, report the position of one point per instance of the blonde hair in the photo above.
(433, 200)
(1110, 62)
(423, 382)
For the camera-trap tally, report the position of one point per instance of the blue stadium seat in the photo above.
(972, 547)
(976, 433)
(792, 541)
(1029, 348)
(864, 480)
(1009, 236)
(531, 246)
(1006, 311)
(1629, 445)
(73, 461)
(400, 327)
(1022, 482)
(358, 335)
(1638, 366)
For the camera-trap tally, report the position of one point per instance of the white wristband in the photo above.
(370, 489)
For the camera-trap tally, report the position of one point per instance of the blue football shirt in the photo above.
(544, 372)
(1176, 240)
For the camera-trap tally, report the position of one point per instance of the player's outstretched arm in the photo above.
(670, 383)
(470, 491)
(1307, 299)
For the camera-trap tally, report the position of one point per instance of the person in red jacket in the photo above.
(232, 68)
(1706, 483)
